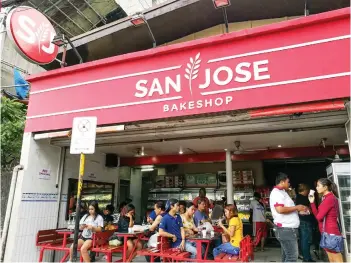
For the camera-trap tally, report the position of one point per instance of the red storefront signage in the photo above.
(296, 61)
(31, 33)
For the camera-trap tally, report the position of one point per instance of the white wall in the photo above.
(35, 205)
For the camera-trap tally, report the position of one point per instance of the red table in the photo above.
(199, 240)
(66, 234)
(125, 236)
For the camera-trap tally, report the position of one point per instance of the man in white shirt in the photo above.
(258, 219)
(286, 219)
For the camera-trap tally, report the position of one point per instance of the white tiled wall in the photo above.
(33, 208)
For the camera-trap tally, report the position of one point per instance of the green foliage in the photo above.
(13, 116)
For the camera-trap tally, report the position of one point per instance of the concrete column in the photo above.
(229, 175)
(135, 190)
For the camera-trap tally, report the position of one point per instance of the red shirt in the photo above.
(208, 205)
(328, 208)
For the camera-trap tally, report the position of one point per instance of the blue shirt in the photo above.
(198, 216)
(172, 225)
(152, 215)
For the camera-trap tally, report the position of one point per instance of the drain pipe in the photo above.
(9, 210)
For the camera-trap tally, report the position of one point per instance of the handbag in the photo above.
(331, 241)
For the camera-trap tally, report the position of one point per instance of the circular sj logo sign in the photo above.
(31, 33)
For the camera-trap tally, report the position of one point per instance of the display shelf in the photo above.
(101, 192)
(339, 173)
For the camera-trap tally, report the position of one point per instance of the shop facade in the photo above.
(287, 77)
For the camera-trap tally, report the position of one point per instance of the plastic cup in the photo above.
(204, 233)
(311, 193)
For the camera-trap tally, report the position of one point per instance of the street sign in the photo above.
(31, 34)
(83, 135)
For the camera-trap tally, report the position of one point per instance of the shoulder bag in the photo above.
(331, 241)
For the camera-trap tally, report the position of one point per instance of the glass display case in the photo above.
(101, 192)
(339, 173)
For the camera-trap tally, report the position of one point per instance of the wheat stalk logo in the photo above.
(42, 33)
(192, 70)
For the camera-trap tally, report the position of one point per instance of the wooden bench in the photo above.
(51, 240)
(101, 244)
(246, 252)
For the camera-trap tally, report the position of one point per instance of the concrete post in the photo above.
(229, 176)
(135, 191)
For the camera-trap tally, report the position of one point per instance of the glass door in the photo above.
(343, 182)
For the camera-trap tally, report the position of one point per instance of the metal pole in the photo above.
(229, 176)
(63, 62)
(225, 19)
(306, 11)
(13, 86)
(75, 51)
(79, 192)
(151, 35)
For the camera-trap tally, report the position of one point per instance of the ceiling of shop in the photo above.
(335, 136)
(216, 133)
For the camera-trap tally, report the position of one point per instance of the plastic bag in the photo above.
(208, 226)
(115, 243)
(153, 240)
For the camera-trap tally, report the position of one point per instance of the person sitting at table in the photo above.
(189, 224)
(171, 226)
(202, 195)
(159, 209)
(200, 216)
(91, 222)
(234, 233)
(151, 217)
(182, 207)
(126, 221)
(188, 220)
(107, 214)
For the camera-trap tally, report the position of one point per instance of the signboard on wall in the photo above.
(261, 67)
(45, 174)
(83, 135)
(31, 33)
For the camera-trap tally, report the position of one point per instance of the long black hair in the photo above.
(94, 204)
(330, 185)
(160, 205)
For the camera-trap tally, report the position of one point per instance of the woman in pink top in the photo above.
(328, 209)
